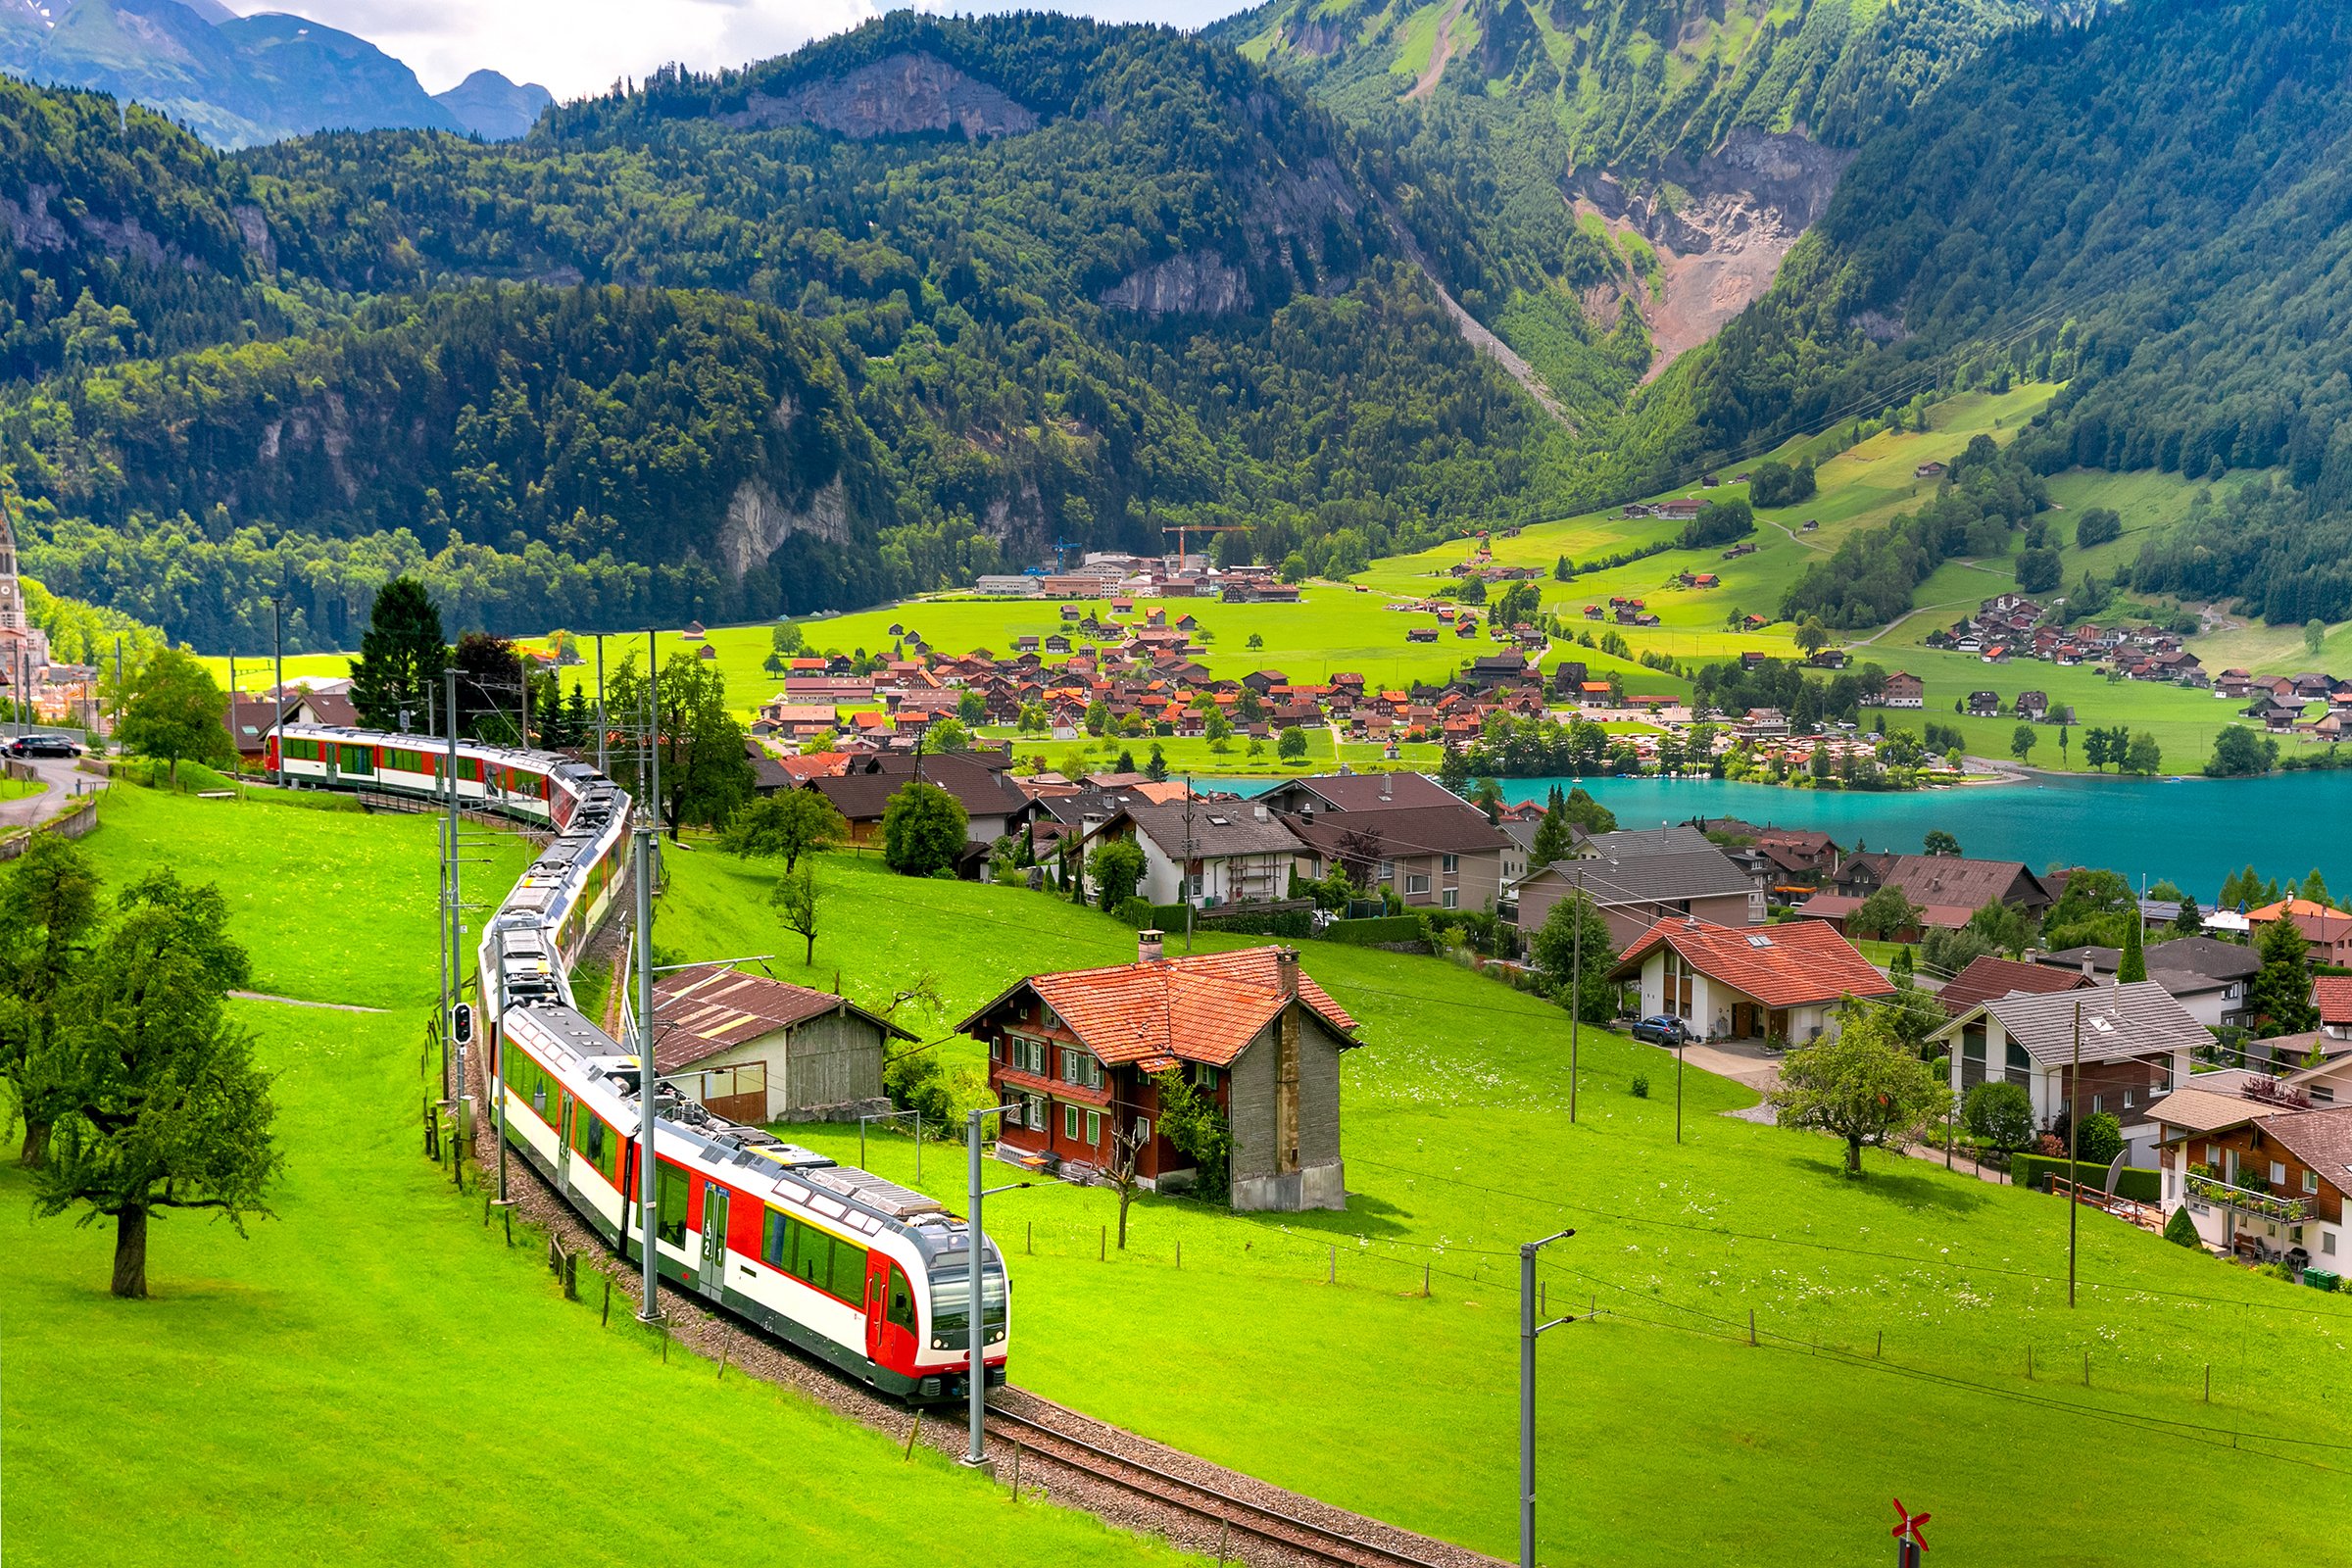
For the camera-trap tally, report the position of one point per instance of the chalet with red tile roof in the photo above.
(1084, 1052)
(1755, 982)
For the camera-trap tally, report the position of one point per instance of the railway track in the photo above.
(1303, 1538)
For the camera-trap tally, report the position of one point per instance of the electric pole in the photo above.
(2073, 1128)
(1528, 1330)
(976, 1239)
(1576, 990)
(648, 1093)
(278, 654)
(601, 765)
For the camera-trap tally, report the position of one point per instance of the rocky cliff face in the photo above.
(759, 523)
(1294, 207)
(1721, 231)
(902, 95)
(1190, 283)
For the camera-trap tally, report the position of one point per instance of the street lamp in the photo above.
(976, 1254)
(1528, 1329)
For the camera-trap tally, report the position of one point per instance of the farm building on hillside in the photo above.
(756, 1050)
(1082, 1054)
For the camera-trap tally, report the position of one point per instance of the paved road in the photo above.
(60, 777)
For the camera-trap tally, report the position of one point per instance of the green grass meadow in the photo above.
(373, 1377)
(1664, 1435)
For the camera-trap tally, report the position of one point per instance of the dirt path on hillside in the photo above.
(1474, 331)
(1440, 51)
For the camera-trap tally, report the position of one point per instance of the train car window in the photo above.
(670, 1193)
(901, 1302)
(775, 1240)
(813, 1257)
(849, 1271)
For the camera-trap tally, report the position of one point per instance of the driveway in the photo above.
(62, 779)
(1742, 1060)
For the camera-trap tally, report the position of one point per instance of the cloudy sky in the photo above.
(580, 46)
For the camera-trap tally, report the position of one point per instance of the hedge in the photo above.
(2136, 1183)
(1377, 932)
(1295, 925)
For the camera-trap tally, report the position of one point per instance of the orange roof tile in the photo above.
(1785, 965)
(1204, 1009)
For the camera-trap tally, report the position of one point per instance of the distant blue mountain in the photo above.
(493, 108)
(237, 80)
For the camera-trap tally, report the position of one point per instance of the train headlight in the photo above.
(938, 1344)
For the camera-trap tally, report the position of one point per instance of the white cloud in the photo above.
(582, 46)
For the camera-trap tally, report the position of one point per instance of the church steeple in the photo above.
(12, 596)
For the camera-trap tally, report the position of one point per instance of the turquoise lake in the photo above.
(2194, 831)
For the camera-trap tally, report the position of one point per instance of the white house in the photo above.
(1208, 853)
(1758, 982)
(2136, 1045)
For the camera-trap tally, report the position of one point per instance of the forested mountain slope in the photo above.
(2158, 204)
(1011, 284)
(1620, 177)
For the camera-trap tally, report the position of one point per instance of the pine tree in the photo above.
(401, 657)
(2135, 963)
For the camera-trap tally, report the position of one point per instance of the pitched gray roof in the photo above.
(2118, 1021)
(1706, 873)
(2186, 966)
(1680, 838)
(1218, 828)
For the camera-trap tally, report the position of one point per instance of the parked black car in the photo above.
(42, 746)
(1661, 1030)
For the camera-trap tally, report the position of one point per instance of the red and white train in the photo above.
(868, 1275)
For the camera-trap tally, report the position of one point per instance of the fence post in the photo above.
(1333, 1277)
(2209, 1383)
(1030, 1244)
(1180, 1255)
(1102, 1245)
(1751, 1325)
(1425, 1279)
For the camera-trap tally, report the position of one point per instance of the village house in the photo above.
(1989, 978)
(1080, 1053)
(1446, 857)
(1774, 983)
(1207, 853)
(756, 1050)
(2208, 977)
(2137, 1043)
(2262, 1171)
(1634, 891)
(2327, 930)
(993, 806)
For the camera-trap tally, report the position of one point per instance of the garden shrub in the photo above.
(2181, 1230)
(1640, 1085)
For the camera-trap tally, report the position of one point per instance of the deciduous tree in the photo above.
(48, 911)
(1574, 948)
(168, 1109)
(1865, 1085)
(177, 710)
(790, 822)
(798, 901)
(923, 830)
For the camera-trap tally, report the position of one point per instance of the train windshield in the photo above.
(952, 1296)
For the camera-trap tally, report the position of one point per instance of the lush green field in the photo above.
(1658, 1422)
(373, 1377)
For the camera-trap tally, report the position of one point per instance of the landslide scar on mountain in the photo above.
(899, 95)
(1720, 248)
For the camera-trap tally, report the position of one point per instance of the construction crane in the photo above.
(1182, 530)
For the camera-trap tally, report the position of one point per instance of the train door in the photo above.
(890, 1320)
(564, 1143)
(712, 1275)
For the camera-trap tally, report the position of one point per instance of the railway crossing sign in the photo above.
(1908, 1542)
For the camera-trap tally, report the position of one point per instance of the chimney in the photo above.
(1306, 810)
(1286, 970)
(2089, 972)
(1264, 815)
(1388, 786)
(1147, 946)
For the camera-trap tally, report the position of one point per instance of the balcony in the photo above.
(2246, 1200)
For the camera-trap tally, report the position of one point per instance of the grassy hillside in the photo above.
(373, 1378)
(1658, 1421)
